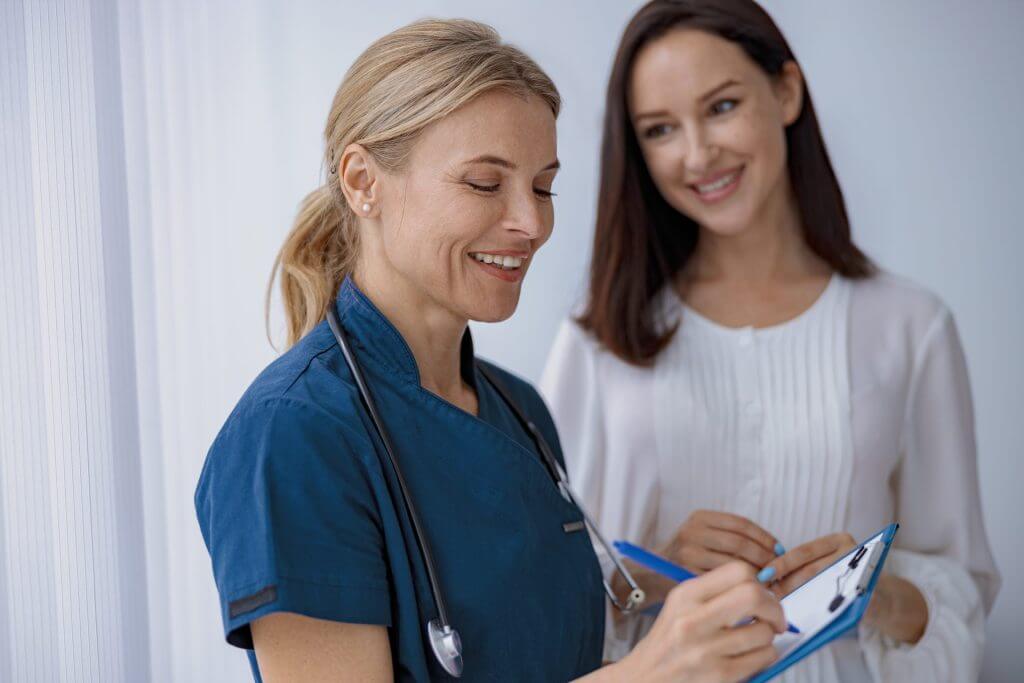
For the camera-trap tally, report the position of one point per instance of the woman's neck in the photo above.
(771, 249)
(433, 333)
(760, 277)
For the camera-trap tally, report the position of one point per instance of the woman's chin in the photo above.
(494, 309)
(727, 225)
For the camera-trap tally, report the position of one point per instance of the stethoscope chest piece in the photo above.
(447, 646)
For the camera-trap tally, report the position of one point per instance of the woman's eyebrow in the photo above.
(720, 86)
(710, 93)
(505, 163)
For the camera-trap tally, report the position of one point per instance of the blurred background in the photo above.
(154, 154)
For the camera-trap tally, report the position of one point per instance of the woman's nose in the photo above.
(699, 153)
(526, 215)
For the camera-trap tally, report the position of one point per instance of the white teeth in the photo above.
(718, 184)
(504, 262)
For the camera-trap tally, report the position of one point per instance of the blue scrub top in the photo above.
(301, 511)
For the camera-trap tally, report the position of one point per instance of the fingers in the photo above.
(737, 545)
(743, 601)
(810, 552)
(800, 556)
(695, 636)
(726, 521)
(805, 574)
(740, 668)
(712, 584)
(701, 559)
(742, 639)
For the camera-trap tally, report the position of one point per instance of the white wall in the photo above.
(223, 105)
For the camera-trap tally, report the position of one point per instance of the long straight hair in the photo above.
(641, 242)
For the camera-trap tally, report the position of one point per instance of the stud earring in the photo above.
(366, 208)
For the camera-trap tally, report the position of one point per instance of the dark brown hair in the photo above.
(641, 241)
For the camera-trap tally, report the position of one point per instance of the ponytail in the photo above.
(318, 253)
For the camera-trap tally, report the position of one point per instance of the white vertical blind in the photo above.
(28, 619)
(72, 562)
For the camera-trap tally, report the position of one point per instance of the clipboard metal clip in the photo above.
(865, 577)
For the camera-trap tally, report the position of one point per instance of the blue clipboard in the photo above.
(846, 621)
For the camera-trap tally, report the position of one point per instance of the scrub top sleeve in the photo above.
(287, 508)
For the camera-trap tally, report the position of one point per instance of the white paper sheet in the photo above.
(807, 607)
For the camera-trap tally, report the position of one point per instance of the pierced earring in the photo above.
(366, 208)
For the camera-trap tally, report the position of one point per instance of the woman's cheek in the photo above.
(661, 165)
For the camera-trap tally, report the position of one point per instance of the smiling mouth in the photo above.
(720, 187)
(498, 261)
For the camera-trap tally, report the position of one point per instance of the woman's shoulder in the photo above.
(309, 377)
(576, 344)
(893, 324)
(303, 397)
(282, 378)
(575, 338)
(887, 300)
(579, 359)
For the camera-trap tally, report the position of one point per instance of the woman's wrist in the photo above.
(898, 609)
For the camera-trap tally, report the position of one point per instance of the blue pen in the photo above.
(664, 567)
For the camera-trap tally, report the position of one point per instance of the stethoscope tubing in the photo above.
(364, 391)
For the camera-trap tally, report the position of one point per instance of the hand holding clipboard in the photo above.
(823, 609)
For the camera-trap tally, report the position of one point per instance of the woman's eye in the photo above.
(724, 106)
(544, 194)
(656, 131)
(484, 188)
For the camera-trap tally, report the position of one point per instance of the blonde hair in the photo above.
(401, 84)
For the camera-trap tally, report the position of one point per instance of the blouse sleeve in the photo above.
(572, 386)
(942, 547)
(287, 509)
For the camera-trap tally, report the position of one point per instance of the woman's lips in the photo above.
(718, 187)
(513, 275)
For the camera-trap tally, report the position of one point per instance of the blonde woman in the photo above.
(379, 492)
(743, 383)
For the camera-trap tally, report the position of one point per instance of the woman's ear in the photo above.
(789, 90)
(359, 179)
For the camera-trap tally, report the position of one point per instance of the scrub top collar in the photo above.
(380, 341)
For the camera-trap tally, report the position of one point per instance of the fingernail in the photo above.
(766, 574)
(779, 549)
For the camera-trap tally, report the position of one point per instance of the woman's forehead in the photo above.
(497, 124)
(692, 61)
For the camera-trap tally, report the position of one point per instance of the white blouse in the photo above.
(855, 414)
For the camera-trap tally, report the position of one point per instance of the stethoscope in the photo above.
(444, 639)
